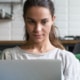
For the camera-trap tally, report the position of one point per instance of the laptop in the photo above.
(30, 70)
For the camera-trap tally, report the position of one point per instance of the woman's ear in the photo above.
(53, 18)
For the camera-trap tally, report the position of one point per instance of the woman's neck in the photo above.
(40, 47)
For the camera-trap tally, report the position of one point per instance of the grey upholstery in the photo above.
(76, 49)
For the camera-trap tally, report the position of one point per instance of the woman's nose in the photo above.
(38, 28)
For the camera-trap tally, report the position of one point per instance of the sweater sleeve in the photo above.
(72, 67)
(6, 54)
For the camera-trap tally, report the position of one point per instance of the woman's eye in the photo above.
(30, 22)
(44, 22)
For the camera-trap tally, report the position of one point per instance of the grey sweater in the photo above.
(68, 60)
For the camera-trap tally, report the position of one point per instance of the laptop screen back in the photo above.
(30, 70)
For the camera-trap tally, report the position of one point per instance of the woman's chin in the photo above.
(38, 41)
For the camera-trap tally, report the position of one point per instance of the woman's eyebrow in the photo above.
(30, 18)
(46, 19)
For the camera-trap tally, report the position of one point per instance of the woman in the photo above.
(42, 42)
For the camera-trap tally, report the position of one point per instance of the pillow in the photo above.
(77, 56)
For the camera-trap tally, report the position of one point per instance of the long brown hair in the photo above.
(47, 4)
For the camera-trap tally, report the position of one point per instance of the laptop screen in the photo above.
(30, 70)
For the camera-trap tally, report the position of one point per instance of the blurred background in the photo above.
(67, 14)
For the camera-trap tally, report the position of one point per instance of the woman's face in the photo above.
(38, 22)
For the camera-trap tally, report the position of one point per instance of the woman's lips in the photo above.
(37, 35)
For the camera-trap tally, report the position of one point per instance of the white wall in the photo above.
(68, 17)
(74, 17)
(12, 29)
(67, 20)
(61, 13)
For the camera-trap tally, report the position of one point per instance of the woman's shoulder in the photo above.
(67, 56)
(71, 65)
(8, 52)
(66, 53)
(10, 49)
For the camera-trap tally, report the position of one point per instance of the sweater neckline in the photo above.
(36, 54)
